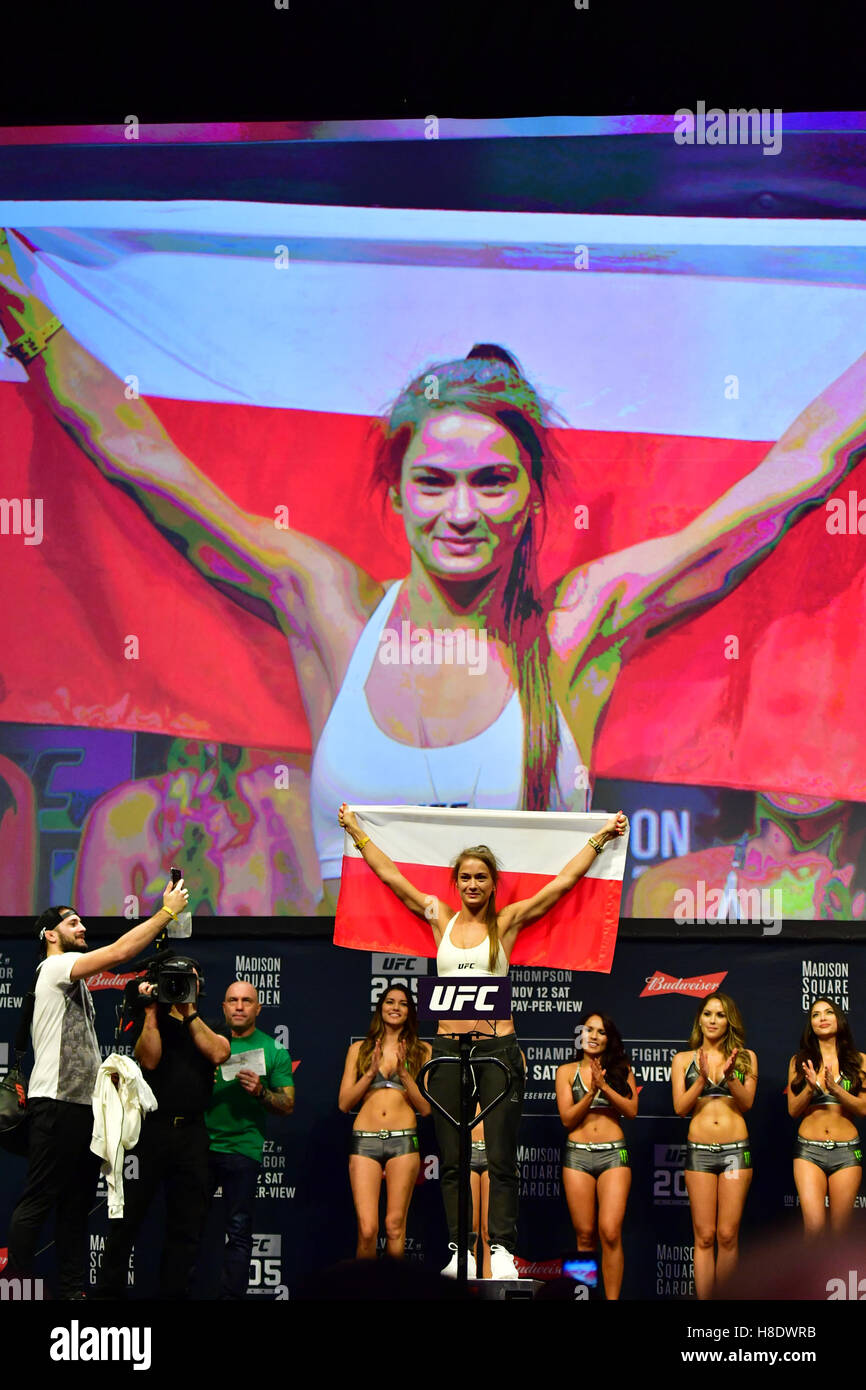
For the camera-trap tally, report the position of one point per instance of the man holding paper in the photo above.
(254, 1081)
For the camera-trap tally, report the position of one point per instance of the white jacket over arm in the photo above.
(117, 1112)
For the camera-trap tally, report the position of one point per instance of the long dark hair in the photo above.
(614, 1060)
(490, 381)
(847, 1055)
(487, 858)
(415, 1055)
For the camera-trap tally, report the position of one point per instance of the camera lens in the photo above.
(174, 986)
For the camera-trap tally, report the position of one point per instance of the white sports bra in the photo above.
(357, 763)
(451, 959)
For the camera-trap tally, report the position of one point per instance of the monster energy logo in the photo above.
(747, 1159)
(623, 1156)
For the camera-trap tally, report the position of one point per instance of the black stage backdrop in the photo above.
(317, 998)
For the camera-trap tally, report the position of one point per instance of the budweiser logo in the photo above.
(102, 980)
(4, 1258)
(538, 1269)
(700, 985)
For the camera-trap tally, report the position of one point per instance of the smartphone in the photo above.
(583, 1270)
(176, 875)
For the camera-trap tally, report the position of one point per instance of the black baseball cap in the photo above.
(51, 918)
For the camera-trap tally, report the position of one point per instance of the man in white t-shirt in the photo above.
(62, 1172)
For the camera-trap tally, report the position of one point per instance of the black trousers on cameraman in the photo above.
(174, 1155)
(62, 1176)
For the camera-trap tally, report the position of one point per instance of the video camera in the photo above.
(174, 976)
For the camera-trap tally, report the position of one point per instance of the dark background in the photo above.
(187, 61)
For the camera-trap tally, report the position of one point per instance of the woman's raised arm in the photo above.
(422, 904)
(646, 587)
(124, 438)
(527, 910)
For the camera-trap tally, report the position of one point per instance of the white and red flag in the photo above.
(531, 847)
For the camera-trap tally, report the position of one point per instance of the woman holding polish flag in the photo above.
(480, 937)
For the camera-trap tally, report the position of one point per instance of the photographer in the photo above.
(178, 1053)
(62, 1171)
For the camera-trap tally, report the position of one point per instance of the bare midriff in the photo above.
(597, 1126)
(826, 1122)
(385, 1109)
(717, 1120)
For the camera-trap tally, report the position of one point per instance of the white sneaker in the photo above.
(502, 1264)
(450, 1270)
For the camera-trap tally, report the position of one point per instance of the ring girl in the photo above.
(379, 1078)
(714, 1082)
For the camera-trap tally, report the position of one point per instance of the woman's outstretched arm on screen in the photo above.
(649, 586)
(253, 554)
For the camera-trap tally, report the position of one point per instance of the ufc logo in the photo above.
(267, 1245)
(670, 1155)
(453, 999)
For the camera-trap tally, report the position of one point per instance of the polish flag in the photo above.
(579, 933)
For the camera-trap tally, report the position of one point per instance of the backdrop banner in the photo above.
(316, 1001)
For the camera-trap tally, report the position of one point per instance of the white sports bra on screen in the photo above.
(357, 763)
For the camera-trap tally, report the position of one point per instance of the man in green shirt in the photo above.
(236, 1120)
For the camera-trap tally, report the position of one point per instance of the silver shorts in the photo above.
(594, 1158)
(383, 1144)
(830, 1156)
(478, 1163)
(718, 1158)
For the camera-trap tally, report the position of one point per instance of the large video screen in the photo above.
(304, 505)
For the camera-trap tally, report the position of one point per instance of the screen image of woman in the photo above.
(509, 717)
